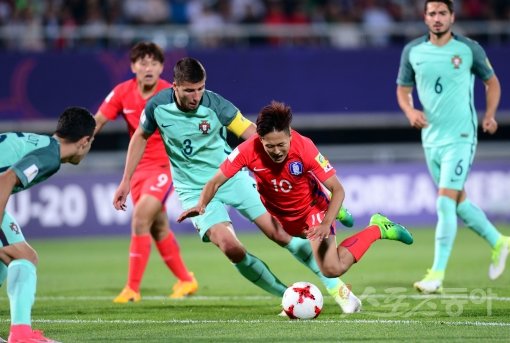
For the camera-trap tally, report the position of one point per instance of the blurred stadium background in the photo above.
(334, 61)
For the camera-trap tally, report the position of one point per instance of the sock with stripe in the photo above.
(170, 253)
(359, 243)
(139, 252)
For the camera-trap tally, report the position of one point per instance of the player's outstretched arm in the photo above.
(101, 121)
(493, 95)
(405, 101)
(135, 152)
(207, 194)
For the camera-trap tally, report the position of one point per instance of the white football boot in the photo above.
(499, 255)
(431, 283)
(345, 298)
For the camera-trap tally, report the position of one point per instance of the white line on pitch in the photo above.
(263, 297)
(235, 321)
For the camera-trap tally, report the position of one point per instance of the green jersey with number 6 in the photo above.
(33, 157)
(444, 79)
(195, 141)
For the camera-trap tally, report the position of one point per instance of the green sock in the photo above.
(3, 273)
(476, 220)
(446, 230)
(302, 250)
(21, 283)
(258, 273)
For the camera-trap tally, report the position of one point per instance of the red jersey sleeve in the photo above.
(112, 104)
(315, 162)
(237, 159)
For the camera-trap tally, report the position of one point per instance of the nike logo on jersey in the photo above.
(259, 169)
(128, 111)
(155, 189)
(167, 125)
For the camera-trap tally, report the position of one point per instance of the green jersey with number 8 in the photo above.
(196, 141)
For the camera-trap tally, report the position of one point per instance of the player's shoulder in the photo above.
(125, 86)
(163, 97)
(471, 43)
(211, 99)
(416, 42)
(163, 84)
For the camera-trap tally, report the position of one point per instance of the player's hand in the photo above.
(120, 197)
(192, 212)
(489, 125)
(318, 232)
(417, 119)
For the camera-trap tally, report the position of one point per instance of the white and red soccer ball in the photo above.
(302, 300)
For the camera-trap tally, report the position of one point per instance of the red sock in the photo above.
(170, 253)
(139, 252)
(359, 243)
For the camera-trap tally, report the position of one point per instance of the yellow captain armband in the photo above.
(239, 124)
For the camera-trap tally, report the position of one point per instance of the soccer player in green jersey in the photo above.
(193, 123)
(26, 160)
(442, 66)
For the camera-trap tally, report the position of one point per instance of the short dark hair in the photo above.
(75, 123)
(448, 3)
(142, 49)
(190, 70)
(276, 116)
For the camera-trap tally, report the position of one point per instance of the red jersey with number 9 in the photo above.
(287, 189)
(125, 100)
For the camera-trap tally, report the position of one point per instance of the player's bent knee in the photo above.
(141, 225)
(333, 270)
(20, 251)
(229, 245)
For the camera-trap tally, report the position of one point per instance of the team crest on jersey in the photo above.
(204, 126)
(456, 61)
(296, 168)
(14, 227)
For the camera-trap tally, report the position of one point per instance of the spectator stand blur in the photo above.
(30, 25)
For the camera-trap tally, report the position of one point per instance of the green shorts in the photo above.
(239, 192)
(449, 165)
(11, 231)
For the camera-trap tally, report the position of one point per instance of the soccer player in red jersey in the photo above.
(152, 182)
(294, 181)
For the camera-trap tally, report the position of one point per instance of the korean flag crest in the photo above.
(296, 168)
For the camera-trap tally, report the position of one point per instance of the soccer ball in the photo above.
(302, 300)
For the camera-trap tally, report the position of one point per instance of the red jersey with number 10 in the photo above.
(125, 100)
(287, 189)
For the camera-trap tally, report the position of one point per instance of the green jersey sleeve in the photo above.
(147, 121)
(224, 109)
(481, 66)
(38, 162)
(406, 74)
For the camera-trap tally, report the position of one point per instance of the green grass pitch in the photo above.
(78, 278)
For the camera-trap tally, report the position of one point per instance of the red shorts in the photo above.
(296, 226)
(156, 182)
